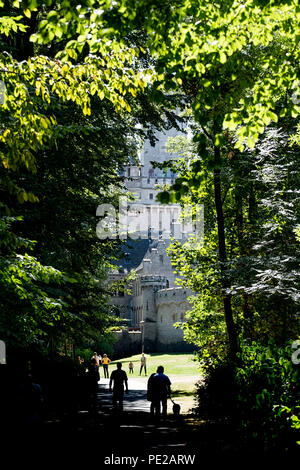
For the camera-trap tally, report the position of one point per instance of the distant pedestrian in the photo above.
(130, 366)
(80, 367)
(105, 361)
(143, 364)
(93, 378)
(31, 399)
(159, 389)
(95, 356)
(80, 360)
(118, 378)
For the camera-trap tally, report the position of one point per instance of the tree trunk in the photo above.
(231, 330)
(247, 312)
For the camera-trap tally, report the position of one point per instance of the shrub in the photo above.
(260, 396)
(268, 396)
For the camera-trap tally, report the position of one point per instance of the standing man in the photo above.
(159, 389)
(119, 378)
(143, 364)
(105, 361)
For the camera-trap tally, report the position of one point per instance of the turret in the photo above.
(150, 284)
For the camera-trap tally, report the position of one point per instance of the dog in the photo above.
(176, 408)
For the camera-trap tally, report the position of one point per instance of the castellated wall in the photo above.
(171, 305)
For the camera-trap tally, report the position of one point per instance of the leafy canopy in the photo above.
(188, 39)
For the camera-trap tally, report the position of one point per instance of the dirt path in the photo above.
(130, 439)
(136, 400)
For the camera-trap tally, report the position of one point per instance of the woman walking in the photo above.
(105, 361)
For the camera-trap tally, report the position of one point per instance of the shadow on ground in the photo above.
(98, 434)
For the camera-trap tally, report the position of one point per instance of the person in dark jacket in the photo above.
(159, 389)
(119, 379)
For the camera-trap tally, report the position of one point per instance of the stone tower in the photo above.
(150, 284)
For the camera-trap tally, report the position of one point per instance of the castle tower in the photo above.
(171, 306)
(142, 180)
(150, 284)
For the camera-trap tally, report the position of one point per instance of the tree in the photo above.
(261, 209)
(63, 150)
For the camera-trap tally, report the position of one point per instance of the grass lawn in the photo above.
(181, 368)
(174, 363)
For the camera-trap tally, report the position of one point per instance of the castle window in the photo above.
(150, 196)
(174, 317)
(168, 284)
(147, 307)
(128, 172)
(148, 180)
(156, 180)
(161, 320)
(161, 259)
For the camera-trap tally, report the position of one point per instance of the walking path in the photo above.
(120, 437)
(135, 400)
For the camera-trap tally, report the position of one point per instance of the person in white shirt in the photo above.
(143, 364)
(95, 356)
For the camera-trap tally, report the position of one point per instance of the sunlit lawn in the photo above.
(174, 363)
(180, 367)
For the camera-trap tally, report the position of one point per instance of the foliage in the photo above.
(268, 395)
(297, 232)
(103, 344)
(28, 302)
(261, 207)
(259, 398)
(190, 42)
(63, 146)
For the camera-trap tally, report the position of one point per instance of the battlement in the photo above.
(153, 279)
(173, 294)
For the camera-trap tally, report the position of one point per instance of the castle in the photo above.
(154, 303)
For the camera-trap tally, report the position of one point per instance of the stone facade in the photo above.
(155, 303)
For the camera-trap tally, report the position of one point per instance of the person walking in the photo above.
(159, 389)
(143, 364)
(95, 356)
(118, 378)
(105, 361)
(93, 378)
(130, 366)
(150, 393)
(80, 367)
